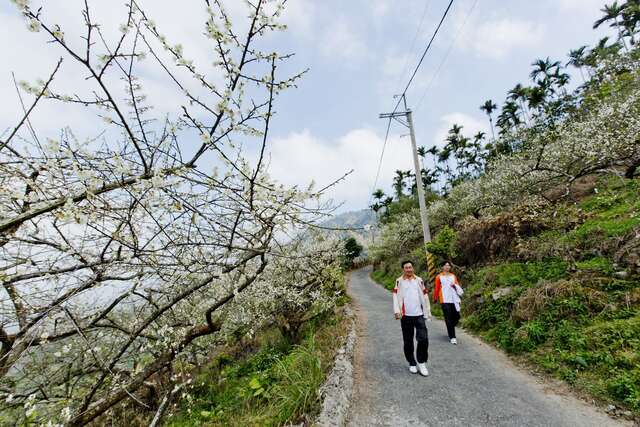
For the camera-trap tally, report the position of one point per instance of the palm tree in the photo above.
(612, 12)
(519, 94)
(509, 118)
(536, 98)
(378, 194)
(455, 129)
(602, 50)
(543, 67)
(398, 184)
(561, 80)
(577, 59)
(422, 152)
(375, 208)
(412, 181)
(429, 178)
(489, 107)
(479, 154)
(631, 19)
(433, 151)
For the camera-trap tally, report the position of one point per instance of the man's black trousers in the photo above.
(451, 318)
(411, 325)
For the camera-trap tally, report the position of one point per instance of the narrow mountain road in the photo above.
(470, 384)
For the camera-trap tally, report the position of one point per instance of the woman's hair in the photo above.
(406, 262)
(445, 263)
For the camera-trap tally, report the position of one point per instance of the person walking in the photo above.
(448, 292)
(411, 306)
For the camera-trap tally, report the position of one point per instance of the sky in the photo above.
(359, 54)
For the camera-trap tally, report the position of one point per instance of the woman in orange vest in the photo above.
(448, 292)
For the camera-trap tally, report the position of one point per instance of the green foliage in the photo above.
(352, 250)
(385, 279)
(444, 243)
(518, 274)
(272, 387)
(398, 207)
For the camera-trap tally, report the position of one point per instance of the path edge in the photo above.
(337, 391)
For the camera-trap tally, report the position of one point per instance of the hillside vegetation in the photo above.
(542, 222)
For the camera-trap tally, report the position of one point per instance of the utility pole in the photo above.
(416, 164)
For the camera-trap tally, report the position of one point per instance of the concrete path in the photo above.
(470, 384)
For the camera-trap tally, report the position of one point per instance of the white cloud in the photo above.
(301, 157)
(299, 17)
(340, 41)
(470, 126)
(496, 38)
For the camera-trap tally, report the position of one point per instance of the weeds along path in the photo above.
(470, 384)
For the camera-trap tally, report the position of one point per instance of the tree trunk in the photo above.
(631, 169)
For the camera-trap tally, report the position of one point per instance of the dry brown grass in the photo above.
(628, 253)
(533, 301)
(579, 189)
(500, 236)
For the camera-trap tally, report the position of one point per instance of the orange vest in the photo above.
(437, 291)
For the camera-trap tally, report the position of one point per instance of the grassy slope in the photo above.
(276, 385)
(567, 311)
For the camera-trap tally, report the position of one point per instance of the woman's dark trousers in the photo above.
(451, 318)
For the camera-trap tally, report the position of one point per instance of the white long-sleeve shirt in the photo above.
(448, 289)
(410, 297)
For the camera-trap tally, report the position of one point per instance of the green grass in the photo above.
(518, 274)
(602, 359)
(275, 386)
(385, 279)
(596, 264)
(612, 213)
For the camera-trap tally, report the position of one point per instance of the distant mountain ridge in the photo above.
(352, 219)
(358, 220)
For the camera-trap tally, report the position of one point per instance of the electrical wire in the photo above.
(444, 59)
(384, 145)
(424, 54)
(404, 92)
(413, 43)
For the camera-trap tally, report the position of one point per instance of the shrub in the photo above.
(443, 245)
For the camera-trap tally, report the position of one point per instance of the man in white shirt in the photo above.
(411, 307)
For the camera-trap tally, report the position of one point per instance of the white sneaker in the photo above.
(454, 341)
(413, 369)
(423, 369)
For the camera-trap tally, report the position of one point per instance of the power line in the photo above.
(404, 92)
(415, 71)
(444, 59)
(413, 42)
(384, 144)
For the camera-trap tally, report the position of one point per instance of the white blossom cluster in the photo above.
(397, 236)
(603, 136)
(126, 256)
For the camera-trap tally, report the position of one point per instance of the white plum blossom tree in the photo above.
(126, 255)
